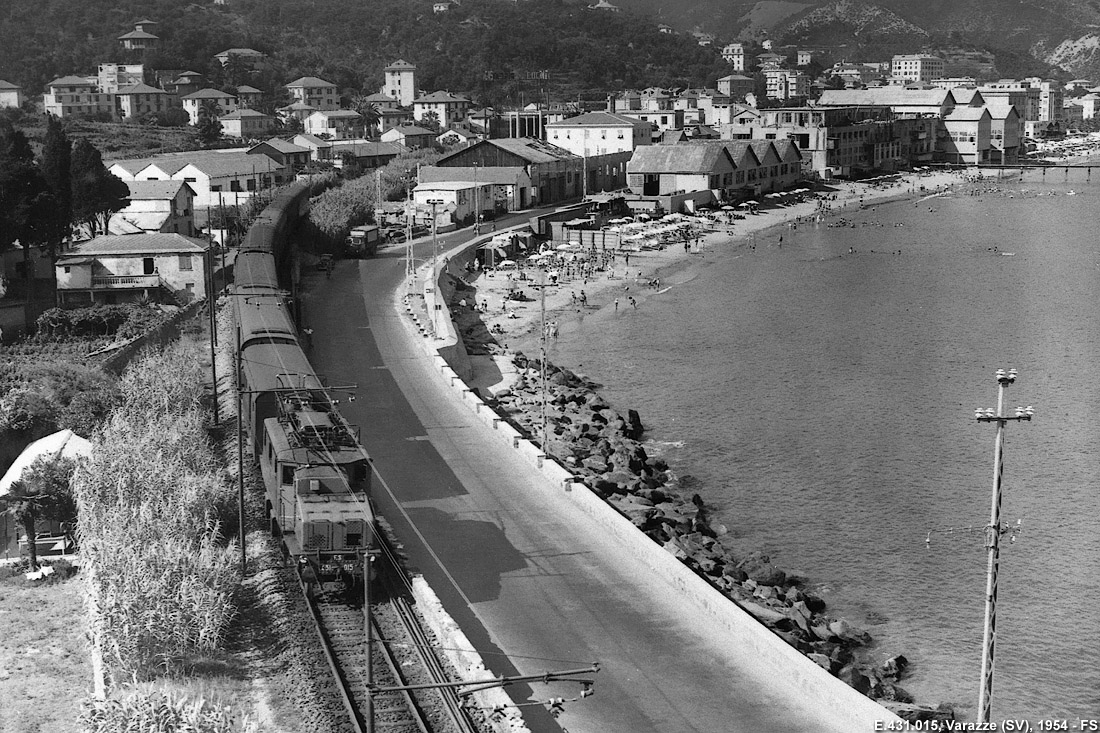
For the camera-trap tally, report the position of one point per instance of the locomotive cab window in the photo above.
(354, 539)
(288, 475)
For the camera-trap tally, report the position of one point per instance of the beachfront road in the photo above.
(532, 585)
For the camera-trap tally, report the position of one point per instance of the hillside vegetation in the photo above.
(477, 47)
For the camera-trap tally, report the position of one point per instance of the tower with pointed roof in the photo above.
(401, 82)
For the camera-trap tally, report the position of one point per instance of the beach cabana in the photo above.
(62, 444)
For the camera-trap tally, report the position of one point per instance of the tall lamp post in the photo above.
(435, 254)
(993, 534)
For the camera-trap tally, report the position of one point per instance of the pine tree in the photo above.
(97, 193)
(55, 166)
(20, 186)
(25, 203)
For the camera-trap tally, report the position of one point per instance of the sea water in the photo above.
(820, 396)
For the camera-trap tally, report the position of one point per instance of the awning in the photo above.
(62, 444)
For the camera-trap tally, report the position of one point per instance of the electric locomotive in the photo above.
(315, 472)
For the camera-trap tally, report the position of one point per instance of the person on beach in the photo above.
(616, 305)
(633, 303)
(584, 298)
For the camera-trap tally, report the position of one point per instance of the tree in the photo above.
(430, 121)
(209, 126)
(369, 112)
(55, 164)
(97, 193)
(20, 186)
(25, 203)
(42, 492)
(236, 70)
(293, 126)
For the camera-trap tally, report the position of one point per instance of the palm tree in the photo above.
(42, 492)
(209, 126)
(370, 113)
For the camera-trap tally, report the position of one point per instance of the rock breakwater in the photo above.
(603, 448)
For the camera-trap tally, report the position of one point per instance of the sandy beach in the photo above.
(494, 326)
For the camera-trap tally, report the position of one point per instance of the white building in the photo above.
(804, 58)
(193, 103)
(339, 124)
(113, 77)
(11, 95)
(448, 108)
(459, 198)
(786, 84)
(916, 67)
(76, 95)
(598, 133)
(137, 100)
(121, 268)
(216, 176)
(317, 93)
(400, 82)
(1051, 98)
(158, 206)
(247, 124)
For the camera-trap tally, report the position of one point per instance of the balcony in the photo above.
(124, 282)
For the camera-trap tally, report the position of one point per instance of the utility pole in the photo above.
(993, 535)
(240, 455)
(435, 254)
(368, 557)
(542, 360)
(477, 207)
(208, 265)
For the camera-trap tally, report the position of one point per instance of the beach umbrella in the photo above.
(728, 208)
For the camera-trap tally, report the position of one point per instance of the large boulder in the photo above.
(634, 425)
(758, 566)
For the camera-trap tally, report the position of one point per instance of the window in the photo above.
(68, 269)
(185, 262)
(148, 266)
(250, 184)
(234, 185)
(215, 189)
(287, 475)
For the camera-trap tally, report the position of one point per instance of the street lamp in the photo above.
(435, 254)
(993, 534)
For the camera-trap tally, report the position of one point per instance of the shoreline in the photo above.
(501, 370)
(630, 272)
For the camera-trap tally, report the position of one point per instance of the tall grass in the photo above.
(160, 579)
(151, 711)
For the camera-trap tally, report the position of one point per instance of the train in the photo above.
(316, 474)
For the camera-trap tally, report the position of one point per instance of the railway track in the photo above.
(401, 655)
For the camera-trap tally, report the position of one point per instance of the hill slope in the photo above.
(350, 43)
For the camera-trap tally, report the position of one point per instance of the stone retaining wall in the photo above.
(798, 673)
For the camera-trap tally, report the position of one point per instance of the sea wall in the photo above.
(802, 675)
(690, 547)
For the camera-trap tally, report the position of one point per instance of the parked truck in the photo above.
(363, 241)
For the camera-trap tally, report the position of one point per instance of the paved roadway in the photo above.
(532, 584)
